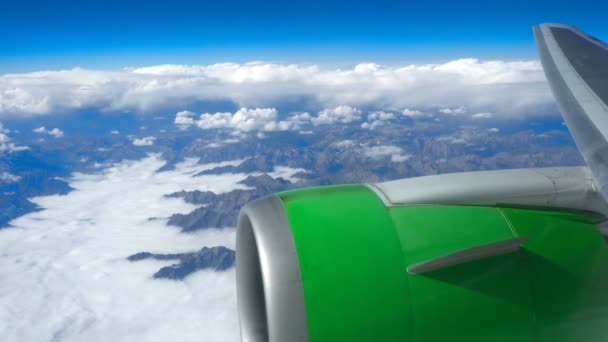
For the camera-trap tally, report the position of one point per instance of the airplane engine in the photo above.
(341, 263)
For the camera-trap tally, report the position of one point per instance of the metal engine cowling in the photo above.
(331, 264)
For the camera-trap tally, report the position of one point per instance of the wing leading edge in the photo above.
(576, 66)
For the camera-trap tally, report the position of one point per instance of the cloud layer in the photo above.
(481, 86)
(65, 276)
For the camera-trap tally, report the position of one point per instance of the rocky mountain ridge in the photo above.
(217, 258)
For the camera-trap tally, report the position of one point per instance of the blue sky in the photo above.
(40, 35)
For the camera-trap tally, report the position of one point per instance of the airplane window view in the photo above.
(294, 171)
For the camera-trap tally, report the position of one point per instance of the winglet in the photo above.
(469, 254)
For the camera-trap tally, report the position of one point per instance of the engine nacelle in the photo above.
(338, 264)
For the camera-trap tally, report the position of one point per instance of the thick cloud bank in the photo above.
(65, 276)
(482, 86)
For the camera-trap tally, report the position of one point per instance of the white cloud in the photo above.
(6, 177)
(285, 172)
(299, 119)
(452, 140)
(6, 143)
(64, 273)
(243, 120)
(216, 120)
(458, 110)
(372, 125)
(55, 132)
(495, 86)
(411, 112)
(482, 115)
(344, 143)
(398, 158)
(340, 114)
(380, 115)
(184, 119)
(146, 141)
(493, 130)
(376, 119)
(396, 154)
(114, 132)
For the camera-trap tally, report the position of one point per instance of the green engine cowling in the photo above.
(331, 264)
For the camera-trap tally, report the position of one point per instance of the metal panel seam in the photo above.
(385, 200)
(513, 231)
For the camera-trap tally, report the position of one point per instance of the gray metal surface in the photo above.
(572, 62)
(587, 56)
(269, 285)
(562, 187)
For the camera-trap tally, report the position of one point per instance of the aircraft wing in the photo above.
(509, 255)
(576, 66)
